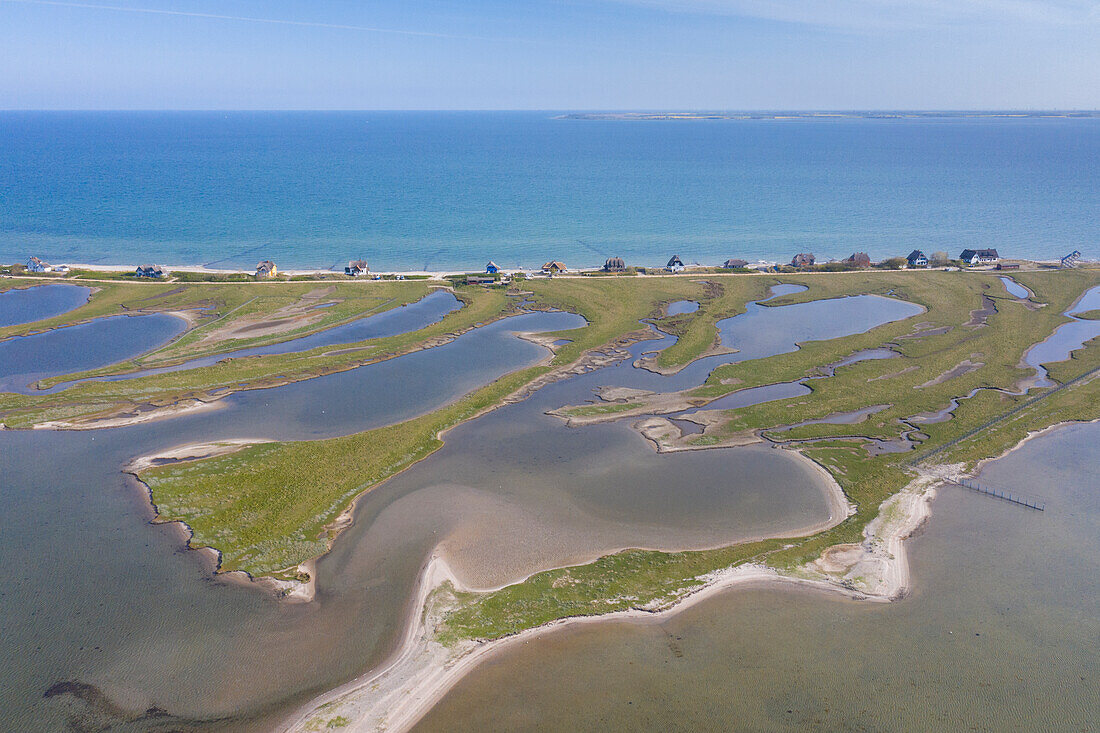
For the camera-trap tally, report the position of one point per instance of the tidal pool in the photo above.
(103, 341)
(26, 305)
(1015, 289)
(1000, 633)
(680, 307)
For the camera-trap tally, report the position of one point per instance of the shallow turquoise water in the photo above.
(416, 190)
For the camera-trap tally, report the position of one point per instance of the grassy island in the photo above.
(954, 392)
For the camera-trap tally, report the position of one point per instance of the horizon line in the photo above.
(590, 110)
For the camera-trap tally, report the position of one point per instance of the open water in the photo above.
(451, 190)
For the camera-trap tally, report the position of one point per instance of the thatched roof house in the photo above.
(803, 259)
(614, 264)
(553, 266)
(859, 259)
(36, 265)
(149, 271)
(492, 268)
(356, 268)
(675, 264)
(734, 264)
(266, 268)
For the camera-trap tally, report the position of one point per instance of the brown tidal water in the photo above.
(108, 622)
(1001, 632)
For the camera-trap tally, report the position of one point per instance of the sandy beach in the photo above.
(395, 695)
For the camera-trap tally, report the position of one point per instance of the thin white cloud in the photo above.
(858, 14)
(246, 19)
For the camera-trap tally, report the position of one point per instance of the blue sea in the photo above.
(451, 190)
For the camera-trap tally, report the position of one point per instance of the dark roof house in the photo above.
(803, 259)
(675, 263)
(614, 264)
(356, 268)
(916, 258)
(1071, 259)
(734, 264)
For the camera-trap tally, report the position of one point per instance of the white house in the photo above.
(979, 256)
(36, 265)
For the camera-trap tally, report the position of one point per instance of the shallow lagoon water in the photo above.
(25, 305)
(403, 319)
(103, 341)
(509, 493)
(999, 634)
(759, 332)
(1066, 338)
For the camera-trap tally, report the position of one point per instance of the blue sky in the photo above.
(550, 54)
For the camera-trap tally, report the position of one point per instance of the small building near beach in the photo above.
(735, 264)
(916, 258)
(553, 267)
(492, 268)
(675, 264)
(1008, 265)
(979, 256)
(858, 259)
(479, 280)
(356, 268)
(36, 265)
(1071, 259)
(614, 264)
(803, 259)
(149, 271)
(266, 268)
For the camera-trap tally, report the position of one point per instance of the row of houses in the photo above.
(971, 257)
(359, 268)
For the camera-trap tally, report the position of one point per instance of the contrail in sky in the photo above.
(271, 21)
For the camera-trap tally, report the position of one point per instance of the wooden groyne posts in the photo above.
(975, 486)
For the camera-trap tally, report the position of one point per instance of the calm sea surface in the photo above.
(451, 190)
